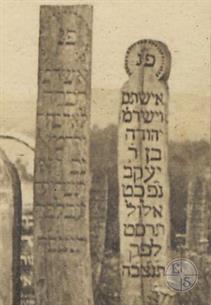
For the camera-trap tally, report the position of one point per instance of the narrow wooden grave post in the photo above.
(197, 216)
(10, 232)
(143, 172)
(62, 177)
(98, 221)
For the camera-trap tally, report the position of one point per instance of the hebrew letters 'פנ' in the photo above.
(62, 261)
(143, 171)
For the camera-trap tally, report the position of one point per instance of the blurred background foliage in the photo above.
(186, 160)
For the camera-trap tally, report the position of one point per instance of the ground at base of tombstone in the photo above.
(108, 290)
(109, 287)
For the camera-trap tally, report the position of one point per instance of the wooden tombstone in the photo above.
(62, 177)
(143, 172)
(10, 232)
(98, 221)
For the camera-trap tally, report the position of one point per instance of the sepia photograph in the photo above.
(105, 156)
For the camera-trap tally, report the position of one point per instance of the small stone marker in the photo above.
(143, 172)
(10, 232)
(62, 178)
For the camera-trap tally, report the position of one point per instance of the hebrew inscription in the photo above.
(10, 232)
(143, 171)
(62, 177)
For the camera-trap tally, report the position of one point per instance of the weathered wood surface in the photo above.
(10, 232)
(62, 177)
(143, 172)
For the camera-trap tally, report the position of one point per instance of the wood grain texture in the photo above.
(143, 172)
(62, 177)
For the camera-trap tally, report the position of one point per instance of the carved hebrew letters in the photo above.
(10, 232)
(62, 178)
(143, 173)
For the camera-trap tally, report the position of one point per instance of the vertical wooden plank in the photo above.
(197, 216)
(143, 172)
(98, 221)
(10, 232)
(62, 177)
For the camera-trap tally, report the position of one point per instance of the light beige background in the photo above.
(184, 25)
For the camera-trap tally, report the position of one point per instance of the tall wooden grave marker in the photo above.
(143, 172)
(98, 221)
(10, 232)
(197, 216)
(62, 177)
